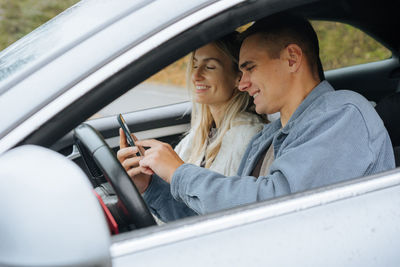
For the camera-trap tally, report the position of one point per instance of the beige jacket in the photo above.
(233, 146)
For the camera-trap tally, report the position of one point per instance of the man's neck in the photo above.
(298, 92)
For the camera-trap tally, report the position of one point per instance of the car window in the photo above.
(166, 87)
(342, 45)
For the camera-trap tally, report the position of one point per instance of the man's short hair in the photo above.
(282, 29)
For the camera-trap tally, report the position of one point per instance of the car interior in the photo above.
(377, 81)
(387, 109)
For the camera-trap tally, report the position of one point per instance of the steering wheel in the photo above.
(129, 199)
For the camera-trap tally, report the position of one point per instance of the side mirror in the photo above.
(49, 213)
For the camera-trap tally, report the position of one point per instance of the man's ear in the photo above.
(294, 56)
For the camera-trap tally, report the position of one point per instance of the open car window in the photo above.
(341, 45)
(166, 87)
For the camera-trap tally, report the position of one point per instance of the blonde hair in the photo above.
(201, 118)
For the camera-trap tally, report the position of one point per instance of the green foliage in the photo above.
(343, 45)
(19, 17)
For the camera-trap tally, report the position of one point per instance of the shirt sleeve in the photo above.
(331, 147)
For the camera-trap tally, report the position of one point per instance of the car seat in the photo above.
(388, 109)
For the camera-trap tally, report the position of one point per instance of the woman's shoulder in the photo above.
(245, 125)
(247, 119)
(235, 142)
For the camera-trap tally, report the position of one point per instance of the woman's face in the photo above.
(213, 76)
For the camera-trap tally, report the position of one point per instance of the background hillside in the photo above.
(341, 45)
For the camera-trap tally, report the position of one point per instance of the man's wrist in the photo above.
(172, 171)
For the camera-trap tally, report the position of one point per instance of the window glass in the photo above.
(17, 18)
(166, 87)
(342, 45)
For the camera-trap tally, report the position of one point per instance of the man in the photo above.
(323, 136)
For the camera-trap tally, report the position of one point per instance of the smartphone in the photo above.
(130, 138)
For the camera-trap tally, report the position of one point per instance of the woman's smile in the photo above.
(200, 88)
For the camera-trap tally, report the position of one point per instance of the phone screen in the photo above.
(130, 138)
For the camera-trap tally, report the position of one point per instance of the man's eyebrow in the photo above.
(244, 65)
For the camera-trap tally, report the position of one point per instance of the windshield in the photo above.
(57, 35)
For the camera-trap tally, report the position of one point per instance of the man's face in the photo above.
(265, 79)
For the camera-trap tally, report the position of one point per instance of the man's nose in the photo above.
(244, 83)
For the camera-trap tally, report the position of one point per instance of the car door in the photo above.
(355, 223)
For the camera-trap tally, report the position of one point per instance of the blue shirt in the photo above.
(331, 137)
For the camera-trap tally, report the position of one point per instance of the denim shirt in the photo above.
(331, 137)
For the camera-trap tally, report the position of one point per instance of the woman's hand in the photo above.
(160, 158)
(128, 159)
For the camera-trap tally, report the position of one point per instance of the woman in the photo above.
(222, 124)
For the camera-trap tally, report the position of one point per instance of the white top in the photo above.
(233, 146)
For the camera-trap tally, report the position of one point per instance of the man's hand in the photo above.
(160, 158)
(127, 156)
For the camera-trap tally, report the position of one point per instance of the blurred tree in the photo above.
(19, 17)
(342, 45)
